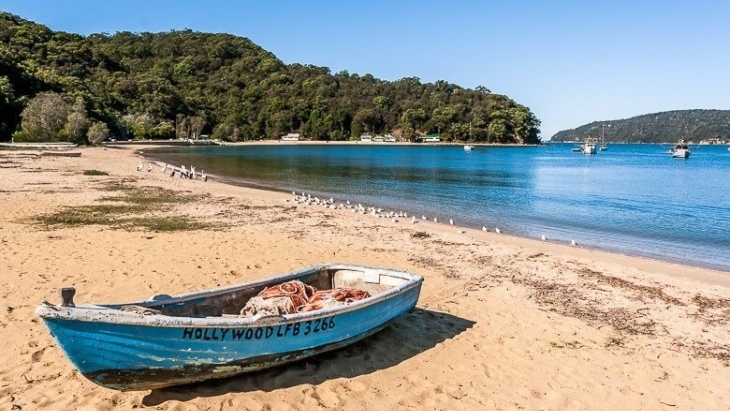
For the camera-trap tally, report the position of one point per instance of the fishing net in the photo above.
(295, 296)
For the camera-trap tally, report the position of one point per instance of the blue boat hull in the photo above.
(153, 353)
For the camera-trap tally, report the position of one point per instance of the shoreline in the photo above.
(502, 322)
(171, 143)
(471, 227)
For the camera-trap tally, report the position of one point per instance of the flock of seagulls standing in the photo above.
(182, 171)
(395, 216)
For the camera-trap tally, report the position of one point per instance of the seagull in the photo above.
(435, 220)
(484, 229)
(573, 243)
(140, 166)
(497, 230)
(413, 220)
(544, 238)
(451, 221)
(423, 217)
(203, 176)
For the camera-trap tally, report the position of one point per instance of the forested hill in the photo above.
(184, 83)
(665, 127)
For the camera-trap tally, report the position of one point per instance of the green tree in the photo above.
(223, 132)
(365, 120)
(163, 131)
(77, 122)
(44, 117)
(196, 126)
(141, 126)
(498, 131)
(411, 120)
(442, 117)
(97, 132)
(8, 106)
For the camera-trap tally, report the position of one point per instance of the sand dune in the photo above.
(503, 323)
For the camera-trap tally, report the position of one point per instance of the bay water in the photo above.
(632, 198)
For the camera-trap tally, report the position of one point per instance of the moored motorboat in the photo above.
(166, 340)
(680, 150)
(468, 147)
(589, 146)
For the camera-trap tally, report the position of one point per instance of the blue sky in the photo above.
(571, 62)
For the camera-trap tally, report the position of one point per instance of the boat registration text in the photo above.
(261, 333)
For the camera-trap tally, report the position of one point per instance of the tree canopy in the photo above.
(184, 83)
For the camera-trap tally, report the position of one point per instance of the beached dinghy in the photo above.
(219, 333)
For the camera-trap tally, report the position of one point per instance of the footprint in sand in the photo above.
(38, 355)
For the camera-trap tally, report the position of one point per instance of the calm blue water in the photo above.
(631, 199)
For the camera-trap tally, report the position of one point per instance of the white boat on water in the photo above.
(680, 150)
(468, 147)
(589, 146)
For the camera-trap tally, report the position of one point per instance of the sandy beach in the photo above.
(503, 323)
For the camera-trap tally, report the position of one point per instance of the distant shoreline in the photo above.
(163, 143)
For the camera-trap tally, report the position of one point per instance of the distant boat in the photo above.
(468, 147)
(589, 146)
(680, 150)
(166, 340)
(603, 147)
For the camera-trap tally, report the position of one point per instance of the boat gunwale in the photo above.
(110, 315)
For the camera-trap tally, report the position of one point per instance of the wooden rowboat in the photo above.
(166, 340)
